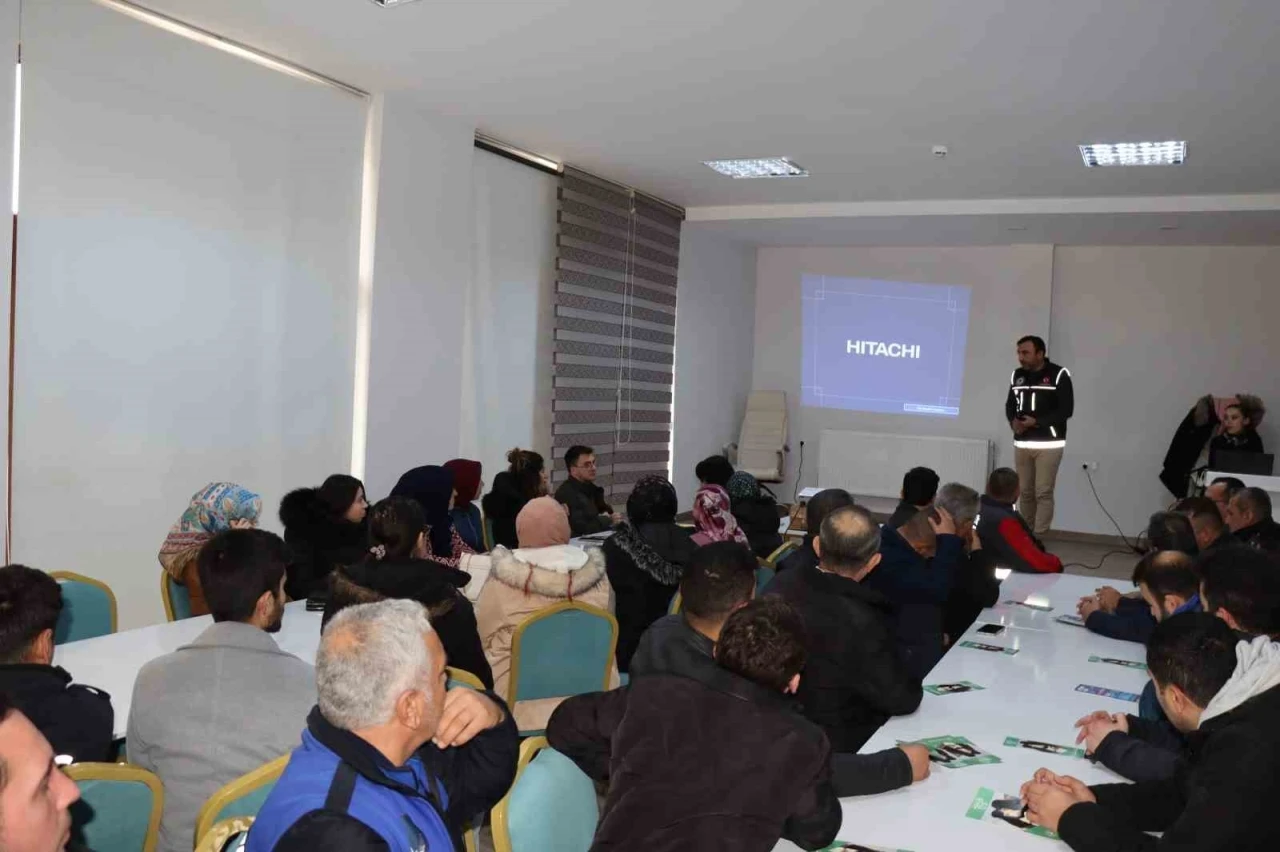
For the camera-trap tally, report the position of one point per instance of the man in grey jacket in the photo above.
(231, 700)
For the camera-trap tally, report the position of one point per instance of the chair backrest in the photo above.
(177, 600)
(764, 435)
(764, 574)
(462, 677)
(488, 532)
(242, 797)
(551, 805)
(564, 649)
(119, 807)
(226, 836)
(88, 608)
(786, 547)
(676, 603)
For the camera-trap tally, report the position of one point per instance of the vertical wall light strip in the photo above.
(13, 309)
(17, 130)
(364, 285)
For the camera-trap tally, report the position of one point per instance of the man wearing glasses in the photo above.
(588, 511)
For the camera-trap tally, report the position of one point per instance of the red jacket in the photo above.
(1007, 536)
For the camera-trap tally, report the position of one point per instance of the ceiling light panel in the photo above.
(764, 167)
(1134, 153)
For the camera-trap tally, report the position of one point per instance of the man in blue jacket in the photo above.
(389, 759)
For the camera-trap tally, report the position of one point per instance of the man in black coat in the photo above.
(1249, 516)
(1225, 696)
(919, 487)
(76, 720)
(589, 512)
(720, 760)
(855, 679)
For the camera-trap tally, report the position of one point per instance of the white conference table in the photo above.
(1030, 695)
(1269, 484)
(111, 663)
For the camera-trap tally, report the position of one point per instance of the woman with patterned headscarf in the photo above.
(645, 559)
(218, 507)
(756, 512)
(713, 518)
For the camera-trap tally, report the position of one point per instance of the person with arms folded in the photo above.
(756, 512)
(1248, 515)
(816, 510)
(855, 678)
(389, 759)
(589, 512)
(76, 720)
(35, 795)
(1041, 399)
(717, 760)
(1006, 534)
(1224, 695)
(919, 486)
(229, 701)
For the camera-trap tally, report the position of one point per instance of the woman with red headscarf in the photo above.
(467, 484)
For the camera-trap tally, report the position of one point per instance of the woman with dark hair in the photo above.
(325, 528)
(756, 512)
(525, 479)
(467, 483)
(398, 565)
(1239, 431)
(645, 559)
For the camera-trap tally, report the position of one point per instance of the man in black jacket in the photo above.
(1206, 522)
(588, 511)
(76, 720)
(816, 510)
(1225, 696)
(855, 678)
(1041, 399)
(1249, 517)
(919, 486)
(717, 760)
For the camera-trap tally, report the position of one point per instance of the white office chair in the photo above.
(762, 444)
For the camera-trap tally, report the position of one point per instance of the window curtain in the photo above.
(615, 321)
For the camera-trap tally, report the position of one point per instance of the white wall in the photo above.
(1146, 331)
(1010, 287)
(715, 317)
(507, 381)
(422, 272)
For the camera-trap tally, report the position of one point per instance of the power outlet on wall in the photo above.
(1089, 465)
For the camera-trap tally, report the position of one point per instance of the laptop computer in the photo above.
(1250, 464)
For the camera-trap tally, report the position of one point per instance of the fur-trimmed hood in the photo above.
(562, 571)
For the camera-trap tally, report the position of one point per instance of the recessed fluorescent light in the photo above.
(765, 167)
(1134, 153)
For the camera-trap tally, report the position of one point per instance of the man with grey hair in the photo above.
(976, 586)
(1248, 514)
(389, 758)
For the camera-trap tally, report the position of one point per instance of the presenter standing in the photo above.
(1040, 402)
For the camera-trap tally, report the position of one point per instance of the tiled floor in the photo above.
(1106, 562)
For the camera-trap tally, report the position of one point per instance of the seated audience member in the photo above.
(397, 567)
(467, 483)
(855, 678)
(1005, 534)
(1241, 586)
(589, 512)
(1238, 434)
(1224, 696)
(1249, 517)
(757, 513)
(919, 566)
(1221, 490)
(816, 510)
(229, 701)
(524, 479)
(976, 586)
(1206, 522)
(645, 560)
(545, 571)
(35, 794)
(722, 755)
(712, 518)
(217, 507)
(76, 720)
(324, 528)
(1171, 531)
(713, 470)
(919, 485)
(389, 759)
(431, 487)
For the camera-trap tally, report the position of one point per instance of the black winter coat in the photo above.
(318, 541)
(501, 505)
(640, 597)
(699, 765)
(588, 510)
(1188, 441)
(1219, 799)
(758, 517)
(855, 678)
(76, 720)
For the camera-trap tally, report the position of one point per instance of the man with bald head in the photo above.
(389, 758)
(854, 679)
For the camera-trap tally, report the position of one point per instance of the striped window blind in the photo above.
(615, 324)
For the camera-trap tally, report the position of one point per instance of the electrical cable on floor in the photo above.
(1105, 556)
(1132, 547)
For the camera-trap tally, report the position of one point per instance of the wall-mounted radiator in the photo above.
(871, 464)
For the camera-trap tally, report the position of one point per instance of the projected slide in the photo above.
(886, 346)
